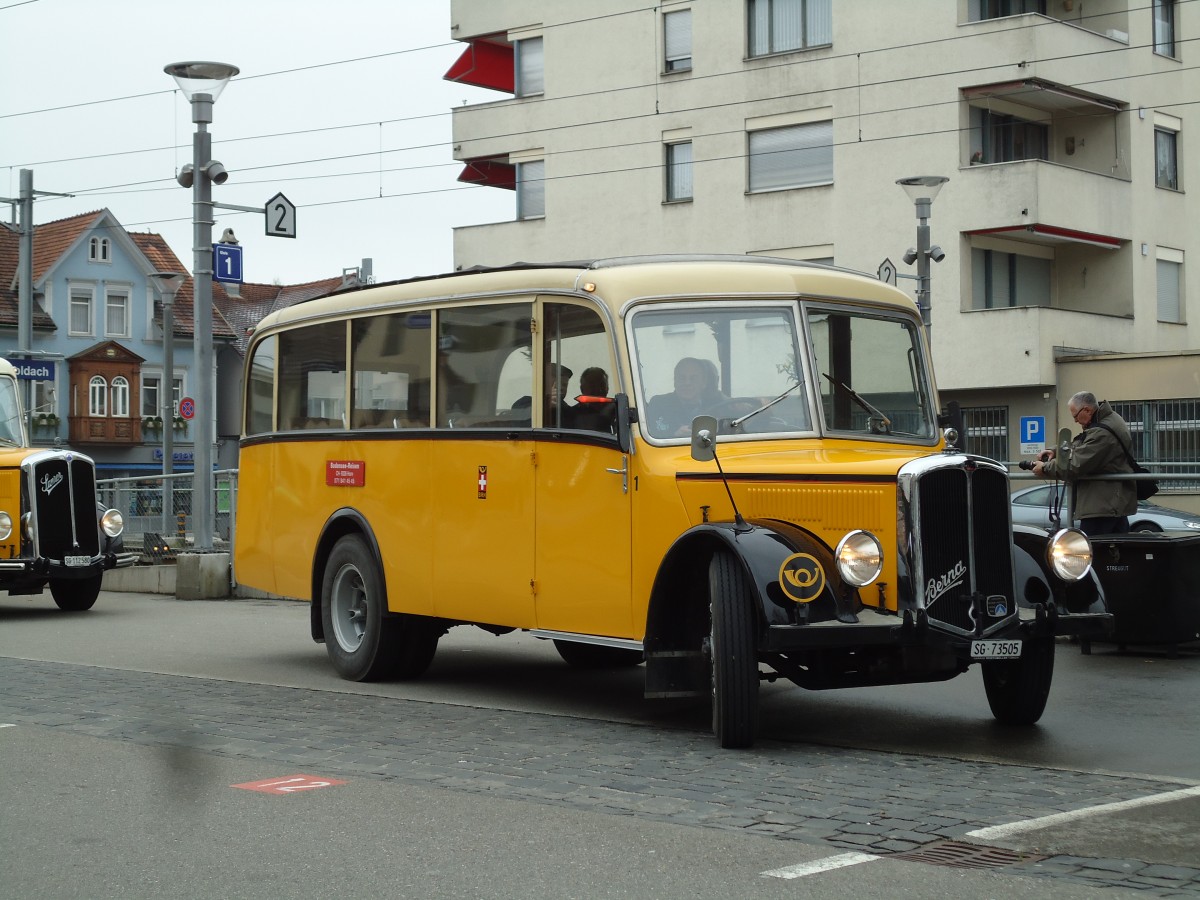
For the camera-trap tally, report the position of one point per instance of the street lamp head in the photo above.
(922, 187)
(168, 282)
(910, 256)
(196, 78)
(936, 253)
(185, 176)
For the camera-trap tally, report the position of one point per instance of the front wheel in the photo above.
(734, 652)
(76, 594)
(364, 641)
(1017, 689)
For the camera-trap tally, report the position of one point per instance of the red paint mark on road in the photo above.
(288, 784)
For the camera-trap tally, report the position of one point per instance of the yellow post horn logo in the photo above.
(802, 578)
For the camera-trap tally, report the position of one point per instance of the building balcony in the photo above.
(104, 430)
(1044, 203)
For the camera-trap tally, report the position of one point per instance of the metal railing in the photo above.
(162, 505)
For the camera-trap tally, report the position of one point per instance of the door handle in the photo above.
(623, 472)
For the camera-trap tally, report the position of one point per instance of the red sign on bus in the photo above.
(345, 472)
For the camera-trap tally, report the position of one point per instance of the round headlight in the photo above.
(5, 525)
(859, 558)
(1070, 554)
(28, 529)
(112, 523)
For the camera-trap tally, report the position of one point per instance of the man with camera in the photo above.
(1102, 507)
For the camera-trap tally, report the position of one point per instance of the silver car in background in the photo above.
(1032, 506)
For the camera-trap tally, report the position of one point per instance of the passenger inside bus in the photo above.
(670, 415)
(593, 409)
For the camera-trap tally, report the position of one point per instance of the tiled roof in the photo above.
(233, 316)
(163, 259)
(257, 300)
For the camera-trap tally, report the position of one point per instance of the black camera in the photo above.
(1026, 464)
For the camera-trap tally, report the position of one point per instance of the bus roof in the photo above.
(614, 281)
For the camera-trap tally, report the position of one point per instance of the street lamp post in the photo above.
(922, 189)
(168, 283)
(202, 83)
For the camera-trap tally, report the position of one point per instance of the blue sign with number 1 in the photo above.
(227, 263)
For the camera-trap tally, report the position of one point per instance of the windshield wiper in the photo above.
(876, 416)
(736, 423)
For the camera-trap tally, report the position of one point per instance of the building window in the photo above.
(679, 171)
(98, 250)
(1008, 138)
(987, 431)
(1169, 287)
(152, 395)
(80, 315)
(777, 26)
(1000, 280)
(120, 397)
(790, 157)
(116, 315)
(97, 396)
(1164, 27)
(997, 9)
(531, 76)
(1165, 431)
(1166, 160)
(677, 41)
(531, 189)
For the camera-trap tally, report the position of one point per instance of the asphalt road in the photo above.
(505, 773)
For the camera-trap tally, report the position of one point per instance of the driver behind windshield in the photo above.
(670, 415)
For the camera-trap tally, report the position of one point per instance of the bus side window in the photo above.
(575, 345)
(260, 392)
(391, 365)
(477, 382)
(312, 377)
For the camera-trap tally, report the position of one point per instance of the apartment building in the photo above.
(781, 127)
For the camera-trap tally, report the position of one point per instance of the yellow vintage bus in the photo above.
(53, 532)
(728, 468)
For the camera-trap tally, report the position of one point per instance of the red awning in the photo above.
(1052, 234)
(485, 64)
(490, 173)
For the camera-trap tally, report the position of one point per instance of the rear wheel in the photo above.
(364, 641)
(594, 656)
(1017, 689)
(734, 653)
(76, 594)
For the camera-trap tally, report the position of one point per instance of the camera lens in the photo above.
(1025, 464)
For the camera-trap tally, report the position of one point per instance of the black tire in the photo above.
(76, 594)
(1017, 689)
(364, 641)
(1144, 528)
(734, 654)
(594, 656)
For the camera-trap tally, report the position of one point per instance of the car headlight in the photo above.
(5, 526)
(28, 529)
(859, 557)
(1070, 554)
(112, 523)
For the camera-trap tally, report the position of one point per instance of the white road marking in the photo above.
(9, 725)
(821, 865)
(1001, 831)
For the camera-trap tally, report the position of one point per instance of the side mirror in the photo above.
(704, 438)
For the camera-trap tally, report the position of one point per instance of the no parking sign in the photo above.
(187, 408)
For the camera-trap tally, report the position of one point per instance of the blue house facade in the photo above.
(97, 378)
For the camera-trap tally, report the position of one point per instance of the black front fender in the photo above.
(767, 551)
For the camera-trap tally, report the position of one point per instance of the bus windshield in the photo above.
(725, 361)
(10, 413)
(872, 374)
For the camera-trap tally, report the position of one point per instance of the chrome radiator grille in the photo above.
(964, 567)
(64, 507)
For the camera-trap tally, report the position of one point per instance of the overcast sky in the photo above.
(340, 106)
